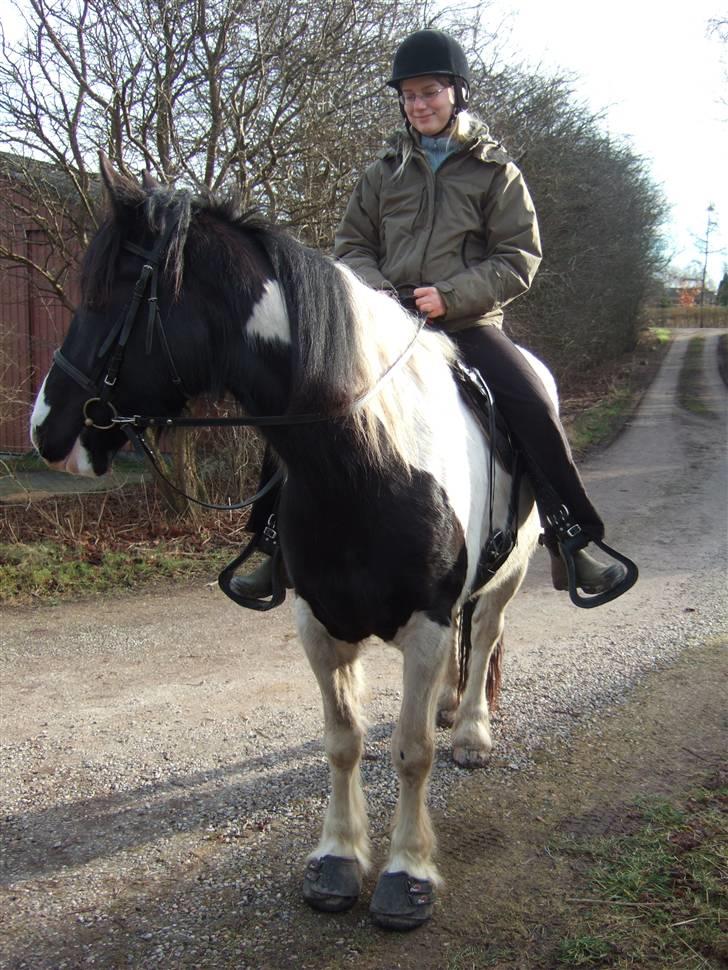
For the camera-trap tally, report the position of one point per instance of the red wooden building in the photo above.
(33, 318)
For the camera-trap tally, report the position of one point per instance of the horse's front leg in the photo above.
(332, 880)
(404, 894)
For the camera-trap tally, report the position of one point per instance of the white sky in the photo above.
(651, 65)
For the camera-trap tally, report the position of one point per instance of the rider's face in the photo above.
(428, 103)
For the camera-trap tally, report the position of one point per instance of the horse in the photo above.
(388, 494)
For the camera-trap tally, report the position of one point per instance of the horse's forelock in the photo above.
(132, 213)
(165, 207)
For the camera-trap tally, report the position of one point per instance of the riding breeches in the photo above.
(533, 420)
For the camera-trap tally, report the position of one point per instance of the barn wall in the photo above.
(33, 320)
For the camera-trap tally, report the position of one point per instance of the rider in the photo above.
(444, 222)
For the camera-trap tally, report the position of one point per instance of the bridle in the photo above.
(111, 353)
(100, 413)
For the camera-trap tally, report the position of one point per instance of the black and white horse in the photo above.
(384, 510)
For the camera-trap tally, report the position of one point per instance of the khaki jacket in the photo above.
(470, 229)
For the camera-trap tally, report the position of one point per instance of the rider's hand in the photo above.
(429, 301)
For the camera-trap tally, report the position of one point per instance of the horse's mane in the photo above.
(340, 343)
(345, 336)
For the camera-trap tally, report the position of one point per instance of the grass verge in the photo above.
(51, 572)
(595, 409)
(723, 357)
(690, 390)
(76, 546)
(656, 897)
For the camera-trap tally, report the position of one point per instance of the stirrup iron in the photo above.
(267, 542)
(571, 539)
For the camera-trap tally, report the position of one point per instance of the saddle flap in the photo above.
(477, 395)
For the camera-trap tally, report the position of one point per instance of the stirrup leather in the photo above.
(571, 539)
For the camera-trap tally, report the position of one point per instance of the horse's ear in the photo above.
(111, 179)
(122, 191)
(148, 181)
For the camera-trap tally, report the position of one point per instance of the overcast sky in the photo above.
(659, 76)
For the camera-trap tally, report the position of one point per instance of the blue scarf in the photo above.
(437, 149)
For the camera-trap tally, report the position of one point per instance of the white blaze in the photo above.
(41, 411)
(78, 460)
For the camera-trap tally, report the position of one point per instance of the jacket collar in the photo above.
(480, 146)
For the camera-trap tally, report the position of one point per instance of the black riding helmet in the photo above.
(432, 52)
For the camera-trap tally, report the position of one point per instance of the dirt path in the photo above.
(163, 776)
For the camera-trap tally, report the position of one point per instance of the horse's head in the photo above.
(132, 336)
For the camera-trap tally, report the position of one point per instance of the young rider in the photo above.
(443, 220)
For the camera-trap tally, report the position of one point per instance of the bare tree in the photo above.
(280, 99)
(600, 216)
(718, 30)
(283, 100)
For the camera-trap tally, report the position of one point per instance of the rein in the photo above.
(100, 413)
(268, 420)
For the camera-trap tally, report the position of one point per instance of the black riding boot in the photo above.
(268, 579)
(592, 576)
(257, 584)
(573, 568)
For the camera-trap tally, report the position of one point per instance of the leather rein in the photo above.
(100, 413)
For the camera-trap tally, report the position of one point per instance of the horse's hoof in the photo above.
(471, 757)
(401, 902)
(331, 883)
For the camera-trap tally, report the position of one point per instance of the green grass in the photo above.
(656, 898)
(594, 425)
(662, 335)
(599, 424)
(29, 462)
(583, 951)
(690, 382)
(51, 572)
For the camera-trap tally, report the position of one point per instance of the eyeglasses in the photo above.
(427, 96)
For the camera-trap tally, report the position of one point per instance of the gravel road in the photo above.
(163, 772)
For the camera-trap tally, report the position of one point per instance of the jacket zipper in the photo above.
(432, 176)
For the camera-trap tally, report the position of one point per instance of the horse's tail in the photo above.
(495, 663)
(495, 669)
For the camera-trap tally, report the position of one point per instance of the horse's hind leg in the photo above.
(448, 699)
(333, 875)
(404, 893)
(471, 738)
